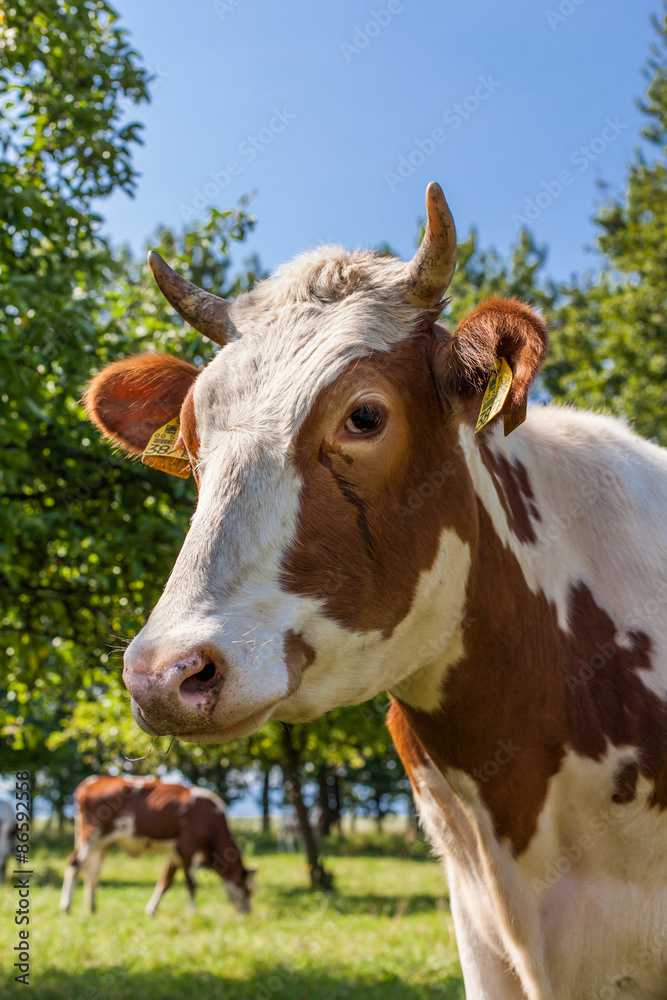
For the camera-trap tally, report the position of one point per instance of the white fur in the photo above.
(196, 792)
(592, 886)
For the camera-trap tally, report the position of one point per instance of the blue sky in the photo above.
(316, 105)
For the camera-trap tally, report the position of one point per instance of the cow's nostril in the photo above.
(201, 682)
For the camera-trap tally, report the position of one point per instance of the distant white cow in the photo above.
(7, 834)
(290, 837)
(289, 831)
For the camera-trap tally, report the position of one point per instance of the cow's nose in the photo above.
(174, 694)
(200, 675)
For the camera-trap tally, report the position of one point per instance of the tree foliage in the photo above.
(87, 538)
(609, 333)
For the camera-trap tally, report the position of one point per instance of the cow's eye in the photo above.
(364, 420)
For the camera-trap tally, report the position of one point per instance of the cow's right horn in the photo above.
(432, 268)
(203, 310)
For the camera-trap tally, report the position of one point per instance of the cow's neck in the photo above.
(528, 686)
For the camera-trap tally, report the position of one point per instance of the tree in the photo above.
(609, 341)
(68, 77)
(87, 538)
(483, 273)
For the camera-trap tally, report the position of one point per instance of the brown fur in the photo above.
(130, 399)
(160, 811)
(518, 683)
(189, 433)
(514, 491)
(408, 747)
(362, 543)
(496, 328)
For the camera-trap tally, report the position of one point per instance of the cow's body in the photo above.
(7, 834)
(144, 814)
(352, 534)
(541, 778)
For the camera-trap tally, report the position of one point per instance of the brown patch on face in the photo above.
(408, 747)
(625, 783)
(514, 491)
(348, 491)
(298, 657)
(371, 514)
(518, 690)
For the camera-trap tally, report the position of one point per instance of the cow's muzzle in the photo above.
(180, 696)
(188, 697)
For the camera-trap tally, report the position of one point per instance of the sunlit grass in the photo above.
(386, 932)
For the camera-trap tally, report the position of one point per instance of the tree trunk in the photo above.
(319, 878)
(324, 824)
(335, 820)
(413, 822)
(266, 813)
(379, 813)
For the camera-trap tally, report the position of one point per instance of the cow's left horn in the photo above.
(206, 312)
(432, 268)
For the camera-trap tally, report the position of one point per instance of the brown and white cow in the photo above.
(144, 814)
(352, 533)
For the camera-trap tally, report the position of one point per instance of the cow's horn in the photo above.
(206, 312)
(432, 268)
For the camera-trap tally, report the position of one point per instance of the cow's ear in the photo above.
(130, 399)
(498, 328)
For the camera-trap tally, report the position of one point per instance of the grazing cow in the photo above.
(7, 834)
(353, 533)
(144, 814)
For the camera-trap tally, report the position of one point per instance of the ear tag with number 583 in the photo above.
(161, 453)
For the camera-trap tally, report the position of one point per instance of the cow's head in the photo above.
(240, 889)
(336, 521)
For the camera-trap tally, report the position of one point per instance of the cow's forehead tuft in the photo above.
(330, 273)
(331, 295)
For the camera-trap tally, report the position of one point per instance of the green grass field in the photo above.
(386, 933)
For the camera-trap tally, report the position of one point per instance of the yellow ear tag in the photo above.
(495, 393)
(161, 453)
